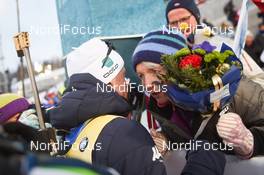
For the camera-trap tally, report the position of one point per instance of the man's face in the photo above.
(148, 73)
(261, 28)
(249, 40)
(178, 16)
(119, 82)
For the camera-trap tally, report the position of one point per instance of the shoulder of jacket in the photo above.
(248, 92)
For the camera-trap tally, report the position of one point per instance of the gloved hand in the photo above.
(233, 132)
(18, 130)
(160, 141)
(30, 118)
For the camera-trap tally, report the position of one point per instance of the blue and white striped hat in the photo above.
(158, 43)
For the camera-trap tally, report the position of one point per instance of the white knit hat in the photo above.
(90, 57)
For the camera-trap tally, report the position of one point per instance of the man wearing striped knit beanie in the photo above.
(146, 62)
(147, 59)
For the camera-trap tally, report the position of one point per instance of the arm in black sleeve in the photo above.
(202, 161)
(144, 161)
(258, 134)
(132, 150)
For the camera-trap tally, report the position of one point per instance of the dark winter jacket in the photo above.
(126, 145)
(82, 102)
(248, 103)
(16, 152)
(255, 51)
(259, 40)
(204, 161)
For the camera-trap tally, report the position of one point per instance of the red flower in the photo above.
(194, 61)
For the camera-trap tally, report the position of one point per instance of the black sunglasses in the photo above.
(110, 48)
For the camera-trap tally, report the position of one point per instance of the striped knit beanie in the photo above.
(158, 43)
(10, 105)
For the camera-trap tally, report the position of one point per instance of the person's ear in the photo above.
(114, 81)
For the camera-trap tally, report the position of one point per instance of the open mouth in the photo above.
(156, 94)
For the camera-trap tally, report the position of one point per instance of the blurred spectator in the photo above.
(260, 42)
(9, 80)
(252, 48)
(231, 13)
(51, 100)
(227, 30)
(18, 158)
(262, 58)
(15, 108)
(11, 107)
(209, 24)
(199, 2)
(3, 82)
(260, 36)
(260, 4)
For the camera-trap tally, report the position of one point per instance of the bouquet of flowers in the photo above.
(202, 78)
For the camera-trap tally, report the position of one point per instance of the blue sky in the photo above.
(35, 15)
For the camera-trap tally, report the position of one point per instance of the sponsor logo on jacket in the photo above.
(108, 62)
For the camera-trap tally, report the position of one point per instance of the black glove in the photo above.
(30, 135)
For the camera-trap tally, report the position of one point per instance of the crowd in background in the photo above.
(254, 45)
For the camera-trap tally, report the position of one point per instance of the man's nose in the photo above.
(148, 83)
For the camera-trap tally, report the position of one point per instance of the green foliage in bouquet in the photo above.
(193, 69)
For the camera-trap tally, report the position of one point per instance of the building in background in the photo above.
(81, 20)
(2, 65)
(84, 19)
(3, 77)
